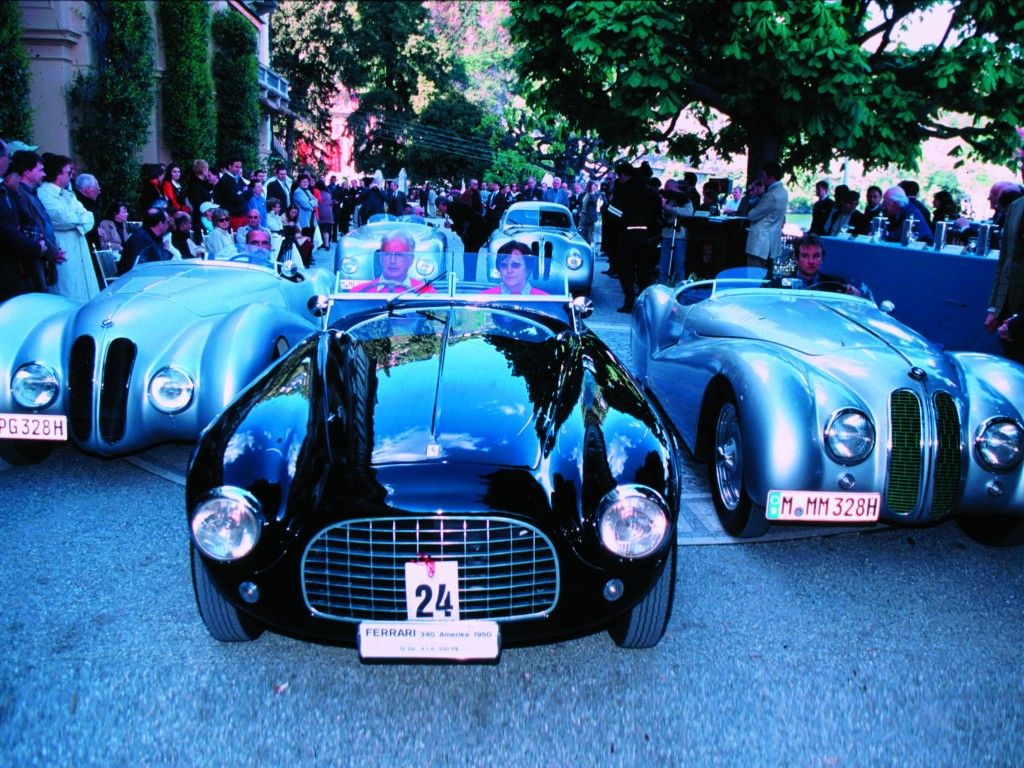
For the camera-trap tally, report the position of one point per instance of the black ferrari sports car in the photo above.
(446, 468)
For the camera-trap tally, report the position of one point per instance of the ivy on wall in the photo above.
(15, 110)
(111, 106)
(236, 73)
(189, 112)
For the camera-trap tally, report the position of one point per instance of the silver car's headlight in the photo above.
(999, 445)
(171, 389)
(349, 265)
(573, 258)
(34, 385)
(849, 436)
(632, 521)
(226, 524)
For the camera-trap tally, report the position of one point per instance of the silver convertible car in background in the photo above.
(549, 230)
(819, 407)
(153, 358)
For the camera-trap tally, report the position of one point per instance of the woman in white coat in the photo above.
(76, 277)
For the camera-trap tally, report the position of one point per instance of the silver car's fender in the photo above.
(32, 328)
(995, 388)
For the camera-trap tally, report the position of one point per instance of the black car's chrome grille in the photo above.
(355, 570)
(946, 480)
(80, 369)
(117, 373)
(908, 455)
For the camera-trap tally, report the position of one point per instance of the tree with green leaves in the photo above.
(448, 140)
(236, 72)
(188, 114)
(111, 106)
(15, 112)
(801, 81)
(381, 50)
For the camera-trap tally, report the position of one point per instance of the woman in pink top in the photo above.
(516, 265)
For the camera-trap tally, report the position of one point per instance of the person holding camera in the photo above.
(675, 203)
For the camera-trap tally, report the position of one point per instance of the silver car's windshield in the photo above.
(539, 217)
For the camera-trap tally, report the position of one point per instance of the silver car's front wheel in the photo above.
(737, 513)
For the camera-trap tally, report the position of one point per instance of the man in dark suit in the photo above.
(845, 214)
(231, 193)
(822, 209)
(147, 242)
(19, 253)
(280, 187)
(1007, 295)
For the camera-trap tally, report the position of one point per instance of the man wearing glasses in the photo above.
(396, 253)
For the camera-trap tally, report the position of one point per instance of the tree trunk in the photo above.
(761, 147)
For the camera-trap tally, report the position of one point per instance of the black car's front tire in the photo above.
(222, 619)
(737, 512)
(645, 623)
(993, 530)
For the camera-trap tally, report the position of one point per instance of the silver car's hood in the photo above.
(204, 290)
(806, 324)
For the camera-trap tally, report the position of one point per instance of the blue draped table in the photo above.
(942, 296)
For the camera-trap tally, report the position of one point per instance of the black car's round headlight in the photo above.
(226, 523)
(34, 385)
(849, 436)
(999, 445)
(632, 521)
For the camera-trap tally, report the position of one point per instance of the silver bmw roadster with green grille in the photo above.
(817, 407)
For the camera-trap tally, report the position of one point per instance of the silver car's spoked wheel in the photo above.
(729, 457)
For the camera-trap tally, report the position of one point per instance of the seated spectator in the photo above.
(206, 211)
(112, 232)
(181, 236)
(898, 209)
(151, 193)
(252, 223)
(845, 214)
(946, 208)
(146, 243)
(810, 253)
(275, 222)
(732, 201)
(913, 189)
(219, 242)
(173, 191)
(87, 190)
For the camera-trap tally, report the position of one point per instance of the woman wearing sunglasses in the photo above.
(516, 265)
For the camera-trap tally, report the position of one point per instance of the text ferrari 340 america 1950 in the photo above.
(448, 467)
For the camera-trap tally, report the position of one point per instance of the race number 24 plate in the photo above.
(30, 426)
(823, 507)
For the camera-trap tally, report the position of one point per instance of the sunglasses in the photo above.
(512, 265)
(221, 219)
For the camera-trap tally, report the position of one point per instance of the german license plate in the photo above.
(30, 426)
(823, 507)
(447, 640)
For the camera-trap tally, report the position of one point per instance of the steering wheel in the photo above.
(393, 286)
(832, 286)
(241, 257)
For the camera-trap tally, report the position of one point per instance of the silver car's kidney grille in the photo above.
(355, 570)
(907, 453)
(946, 482)
(80, 369)
(117, 373)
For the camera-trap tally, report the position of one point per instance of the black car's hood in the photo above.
(463, 388)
